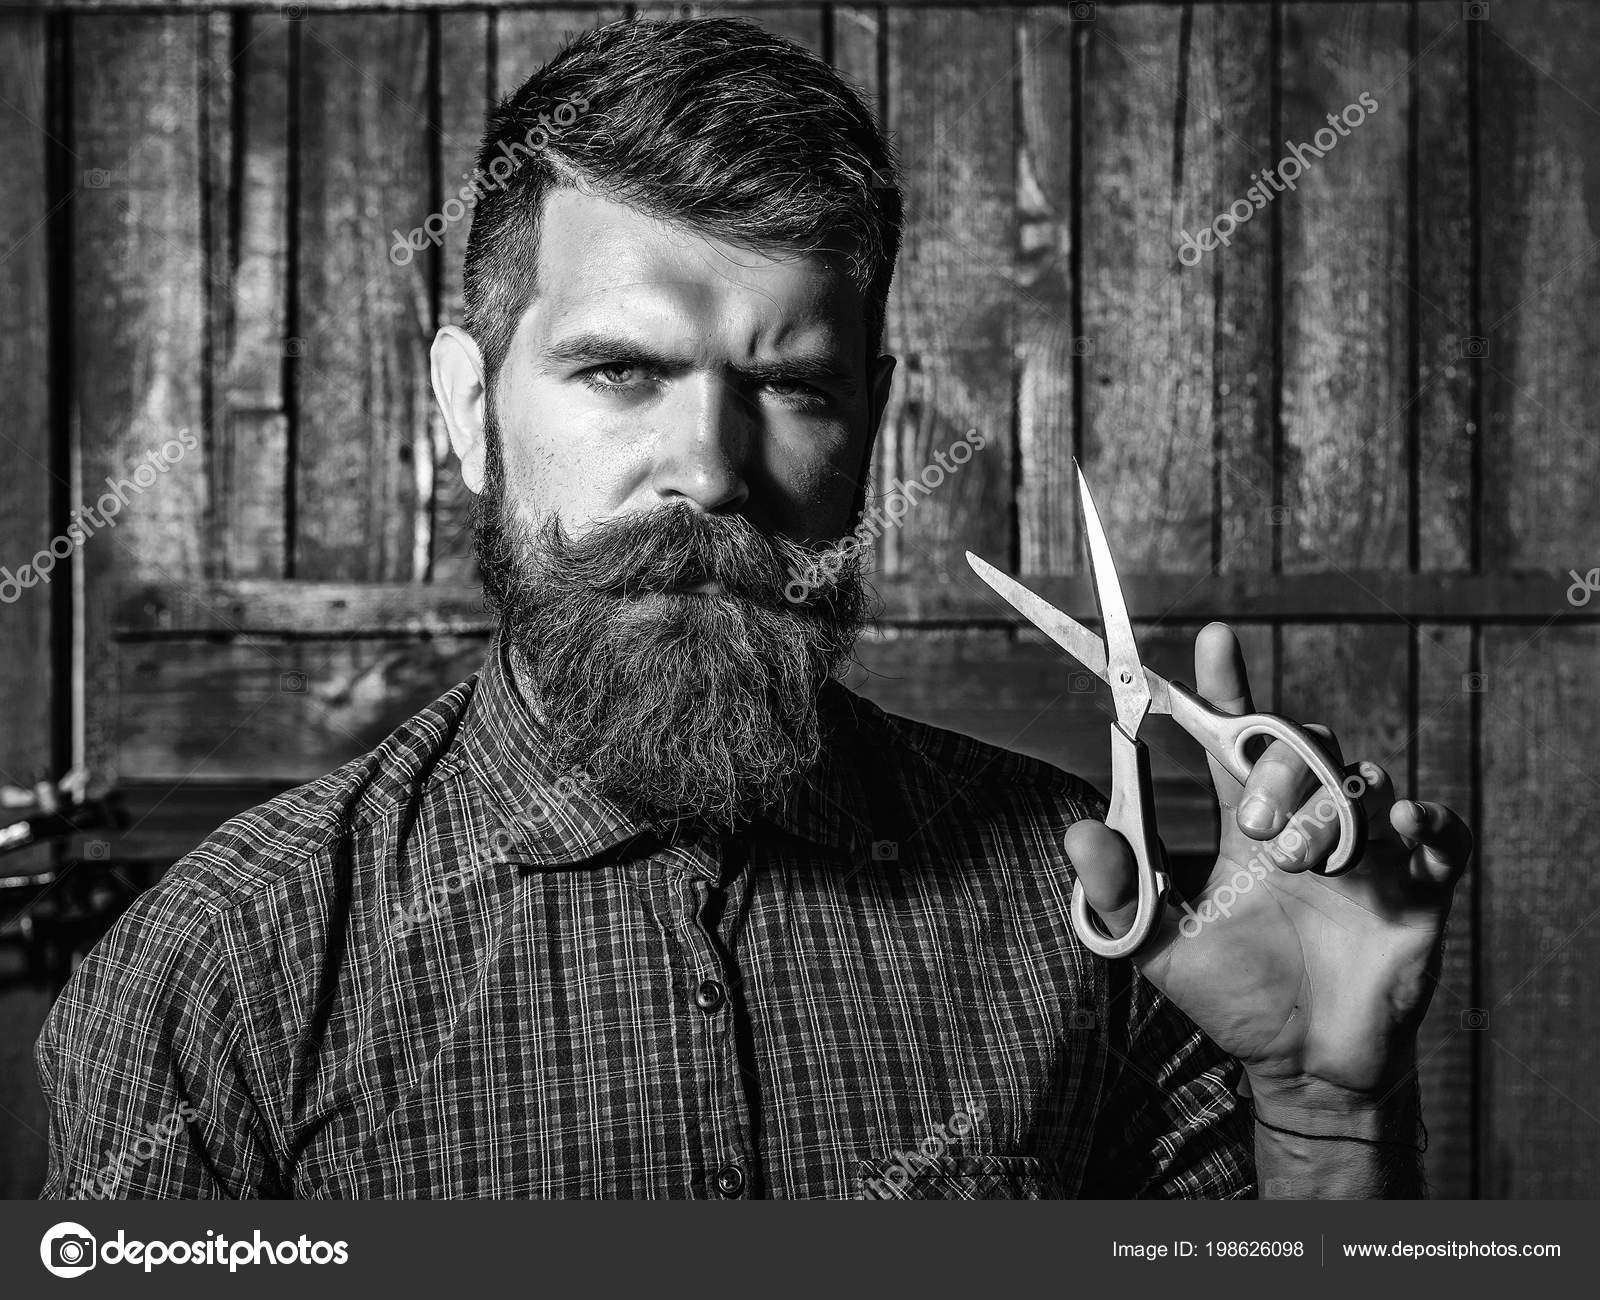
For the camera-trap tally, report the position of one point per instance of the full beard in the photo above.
(675, 704)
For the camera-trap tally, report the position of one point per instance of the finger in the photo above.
(1105, 864)
(1309, 838)
(1440, 840)
(1280, 784)
(1220, 677)
(1220, 674)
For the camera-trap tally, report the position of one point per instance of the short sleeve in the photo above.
(142, 1064)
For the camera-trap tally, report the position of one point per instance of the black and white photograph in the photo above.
(917, 602)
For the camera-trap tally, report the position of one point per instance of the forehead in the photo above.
(603, 263)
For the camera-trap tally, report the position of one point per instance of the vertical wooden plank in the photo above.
(364, 463)
(857, 41)
(1245, 429)
(1355, 681)
(1541, 278)
(465, 91)
(1346, 310)
(28, 487)
(1448, 1053)
(1541, 906)
(1447, 1060)
(28, 492)
(952, 313)
(1541, 393)
(1047, 499)
(1148, 330)
(527, 39)
(139, 303)
(1443, 292)
(247, 71)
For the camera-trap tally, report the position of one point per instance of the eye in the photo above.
(795, 392)
(612, 376)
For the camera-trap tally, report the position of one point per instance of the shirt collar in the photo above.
(559, 819)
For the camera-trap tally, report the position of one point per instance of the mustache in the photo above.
(675, 547)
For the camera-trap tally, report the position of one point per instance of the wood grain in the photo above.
(363, 455)
(246, 74)
(1446, 432)
(1047, 383)
(1244, 379)
(1149, 168)
(1448, 1061)
(30, 694)
(1542, 904)
(138, 296)
(30, 485)
(952, 313)
(254, 709)
(1541, 275)
(465, 91)
(1345, 270)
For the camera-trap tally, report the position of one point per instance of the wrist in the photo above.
(1317, 1109)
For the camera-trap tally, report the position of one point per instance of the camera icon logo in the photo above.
(68, 1250)
(885, 850)
(1475, 1018)
(1474, 347)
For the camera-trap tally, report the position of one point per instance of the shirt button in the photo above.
(710, 995)
(730, 1180)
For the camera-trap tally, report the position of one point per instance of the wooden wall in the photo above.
(1364, 432)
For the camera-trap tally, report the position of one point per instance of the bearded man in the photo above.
(652, 906)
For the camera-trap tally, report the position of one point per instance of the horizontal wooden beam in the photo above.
(314, 610)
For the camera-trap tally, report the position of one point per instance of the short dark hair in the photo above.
(713, 122)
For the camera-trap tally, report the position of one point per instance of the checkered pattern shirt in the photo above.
(448, 969)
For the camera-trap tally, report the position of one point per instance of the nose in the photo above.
(703, 445)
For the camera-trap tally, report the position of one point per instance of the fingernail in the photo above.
(1255, 814)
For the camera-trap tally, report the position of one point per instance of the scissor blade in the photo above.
(1124, 670)
(1082, 644)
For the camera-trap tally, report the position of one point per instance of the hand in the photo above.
(1316, 984)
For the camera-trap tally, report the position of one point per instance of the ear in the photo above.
(459, 388)
(882, 381)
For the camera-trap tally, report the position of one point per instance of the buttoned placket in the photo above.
(706, 896)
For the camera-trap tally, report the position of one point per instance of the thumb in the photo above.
(1106, 866)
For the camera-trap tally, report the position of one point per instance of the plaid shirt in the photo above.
(448, 969)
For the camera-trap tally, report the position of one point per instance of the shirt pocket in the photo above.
(912, 1176)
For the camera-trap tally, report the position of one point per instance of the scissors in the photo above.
(1138, 691)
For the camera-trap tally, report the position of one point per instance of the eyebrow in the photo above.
(597, 347)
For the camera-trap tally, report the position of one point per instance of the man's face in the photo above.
(656, 366)
(678, 426)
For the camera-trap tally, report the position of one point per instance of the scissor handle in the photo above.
(1225, 736)
(1132, 815)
